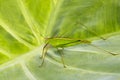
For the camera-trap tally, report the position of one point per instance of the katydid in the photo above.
(61, 42)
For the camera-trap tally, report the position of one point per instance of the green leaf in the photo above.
(25, 23)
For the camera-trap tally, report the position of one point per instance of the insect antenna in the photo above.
(42, 36)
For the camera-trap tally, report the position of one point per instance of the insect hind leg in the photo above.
(104, 50)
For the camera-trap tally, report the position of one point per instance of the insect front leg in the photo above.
(61, 54)
(44, 51)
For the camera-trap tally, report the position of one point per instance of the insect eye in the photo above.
(79, 40)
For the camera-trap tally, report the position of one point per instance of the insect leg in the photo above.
(104, 50)
(61, 54)
(92, 32)
(45, 48)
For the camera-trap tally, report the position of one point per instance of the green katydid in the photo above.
(61, 42)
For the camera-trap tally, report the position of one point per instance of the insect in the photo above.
(61, 42)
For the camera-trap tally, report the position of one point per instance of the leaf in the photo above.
(24, 23)
(78, 18)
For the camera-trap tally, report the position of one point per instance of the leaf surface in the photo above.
(24, 23)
